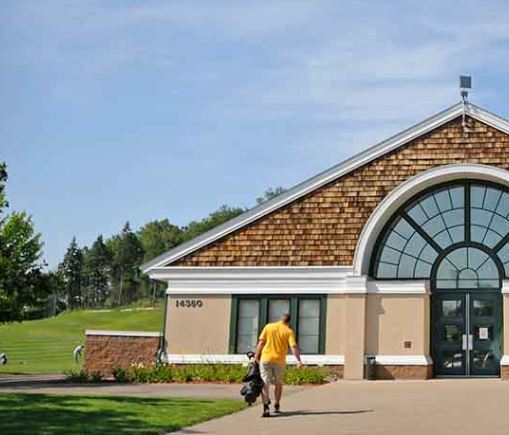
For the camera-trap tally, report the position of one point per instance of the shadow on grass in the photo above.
(48, 414)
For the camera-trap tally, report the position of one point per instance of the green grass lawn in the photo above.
(45, 346)
(55, 415)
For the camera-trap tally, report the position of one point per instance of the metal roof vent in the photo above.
(465, 85)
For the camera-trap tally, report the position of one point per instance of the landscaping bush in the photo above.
(306, 375)
(228, 373)
(121, 375)
(81, 376)
(96, 377)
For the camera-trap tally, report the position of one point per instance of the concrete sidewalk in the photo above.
(55, 384)
(452, 407)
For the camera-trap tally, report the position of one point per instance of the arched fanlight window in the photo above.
(467, 268)
(440, 221)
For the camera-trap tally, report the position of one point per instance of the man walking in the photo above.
(271, 354)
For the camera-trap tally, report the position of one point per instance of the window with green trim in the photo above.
(251, 313)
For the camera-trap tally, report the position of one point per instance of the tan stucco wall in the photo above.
(393, 319)
(335, 333)
(355, 308)
(204, 330)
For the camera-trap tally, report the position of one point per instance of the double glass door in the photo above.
(466, 333)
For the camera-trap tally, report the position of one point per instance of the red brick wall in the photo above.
(322, 228)
(103, 353)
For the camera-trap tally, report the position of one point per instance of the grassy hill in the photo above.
(46, 346)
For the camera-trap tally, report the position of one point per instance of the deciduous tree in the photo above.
(22, 281)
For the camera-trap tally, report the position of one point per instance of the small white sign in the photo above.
(483, 333)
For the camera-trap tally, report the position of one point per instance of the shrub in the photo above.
(306, 375)
(81, 376)
(141, 373)
(96, 377)
(162, 374)
(121, 375)
(229, 373)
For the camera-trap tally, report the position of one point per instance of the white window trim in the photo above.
(413, 360)
(403, 360)
(242, 359)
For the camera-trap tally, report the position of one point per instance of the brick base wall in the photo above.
(403, 372)
(504, 373)
(339, 371)
(106, 350)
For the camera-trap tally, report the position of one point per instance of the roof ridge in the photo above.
(328, 175)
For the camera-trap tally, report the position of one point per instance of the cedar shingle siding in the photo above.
(322, 228)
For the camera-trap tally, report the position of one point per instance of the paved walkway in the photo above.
(54, 384)
(452, 407)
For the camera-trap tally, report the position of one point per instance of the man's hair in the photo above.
(286, 318)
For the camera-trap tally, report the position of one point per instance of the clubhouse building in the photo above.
(400, 253)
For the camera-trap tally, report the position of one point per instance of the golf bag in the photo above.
(253, 382)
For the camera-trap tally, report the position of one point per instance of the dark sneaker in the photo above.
(277, 409)
(266, 411)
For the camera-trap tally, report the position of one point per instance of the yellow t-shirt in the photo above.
(277, 337)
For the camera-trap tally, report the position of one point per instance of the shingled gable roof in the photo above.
(327, 176)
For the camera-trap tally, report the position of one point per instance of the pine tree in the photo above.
(96, 272)
(127, 255)
(70, 269)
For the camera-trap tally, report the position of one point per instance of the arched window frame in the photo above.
(501, 248)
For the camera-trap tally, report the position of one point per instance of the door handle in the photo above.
(464, 342)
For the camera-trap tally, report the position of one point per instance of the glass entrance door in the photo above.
(466, 333)
(484, 332)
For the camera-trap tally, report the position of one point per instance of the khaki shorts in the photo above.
(272, 373)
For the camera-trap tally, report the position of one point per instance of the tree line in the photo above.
(104, 274)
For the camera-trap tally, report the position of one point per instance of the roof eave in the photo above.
(325, 177)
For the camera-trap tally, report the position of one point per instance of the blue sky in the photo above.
(133, 110)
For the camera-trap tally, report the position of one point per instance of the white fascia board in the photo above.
(246, 272)
(327, 176)
(403, 360)
(282, 280)
(123, 333)
(262, 280)
(242, 359)
(488, 117)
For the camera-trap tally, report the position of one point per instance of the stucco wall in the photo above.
(335, 325)
(392, 320)
(204, 330)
